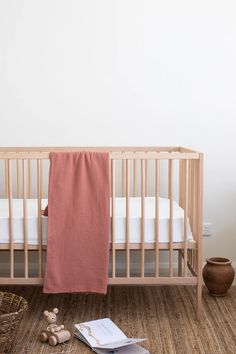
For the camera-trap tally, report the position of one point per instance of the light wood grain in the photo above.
(40, 238)
(113, 211)
(127, 221)
(142, 218)
(25, 220)
(157, 195)
(11, 230)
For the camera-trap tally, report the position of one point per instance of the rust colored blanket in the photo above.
(78, 223)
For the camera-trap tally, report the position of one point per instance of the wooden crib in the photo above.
(140, 176)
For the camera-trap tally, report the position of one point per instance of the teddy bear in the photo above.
(54, 333)
(51, 318)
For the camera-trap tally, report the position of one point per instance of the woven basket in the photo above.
(12, 310)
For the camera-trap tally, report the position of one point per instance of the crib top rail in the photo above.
(116, 152)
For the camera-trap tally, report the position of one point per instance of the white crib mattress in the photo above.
(120, 221)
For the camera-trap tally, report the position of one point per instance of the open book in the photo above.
(104, 337)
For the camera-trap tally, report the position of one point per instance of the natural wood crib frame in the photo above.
(190, 188)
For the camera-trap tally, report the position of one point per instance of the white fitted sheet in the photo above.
(120, 221)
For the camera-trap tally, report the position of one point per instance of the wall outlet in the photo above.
(207, 229)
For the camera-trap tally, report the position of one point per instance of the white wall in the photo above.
(127, 72)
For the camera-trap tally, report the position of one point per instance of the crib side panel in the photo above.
(137, 173)
(21, 182)
(181, 180)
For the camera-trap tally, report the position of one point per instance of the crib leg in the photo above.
(199, 298)
(179, 263)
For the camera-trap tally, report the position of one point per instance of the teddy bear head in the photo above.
(51, 317)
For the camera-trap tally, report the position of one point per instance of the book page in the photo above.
(131, 349)
(80, 336)
(100, 332)
(121, 343)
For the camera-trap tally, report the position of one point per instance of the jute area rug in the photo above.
(163, 314)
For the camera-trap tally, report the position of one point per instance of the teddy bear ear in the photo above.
(46, 313)
(55, 310)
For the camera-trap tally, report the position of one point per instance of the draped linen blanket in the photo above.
(78, 223)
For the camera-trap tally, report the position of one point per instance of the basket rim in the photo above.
(22, 309)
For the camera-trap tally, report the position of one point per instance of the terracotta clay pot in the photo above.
(218, 275)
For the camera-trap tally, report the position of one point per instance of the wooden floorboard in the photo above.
(163, 314)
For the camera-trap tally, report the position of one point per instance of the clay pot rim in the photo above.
(218, 261)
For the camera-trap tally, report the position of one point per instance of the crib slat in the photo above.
(142, 218)
(157, 194)
(41, 173)
(193, 200)
(134, 178)
(25, 222)
(179, 263)
(39, 188)
(9, 178)
(197, 210)
(113, 184)
(6, 180)
(180, 183)
(194, 212)
(181, 204)
(18, 178)
(123, 177)
(196, 199)
(146, 178)
(127, 220)
(191, 261)
(190, 192)
(186, 199)
(191, 204)
(110, 176)
(197, 217)
(170, 192)
(29, 179)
